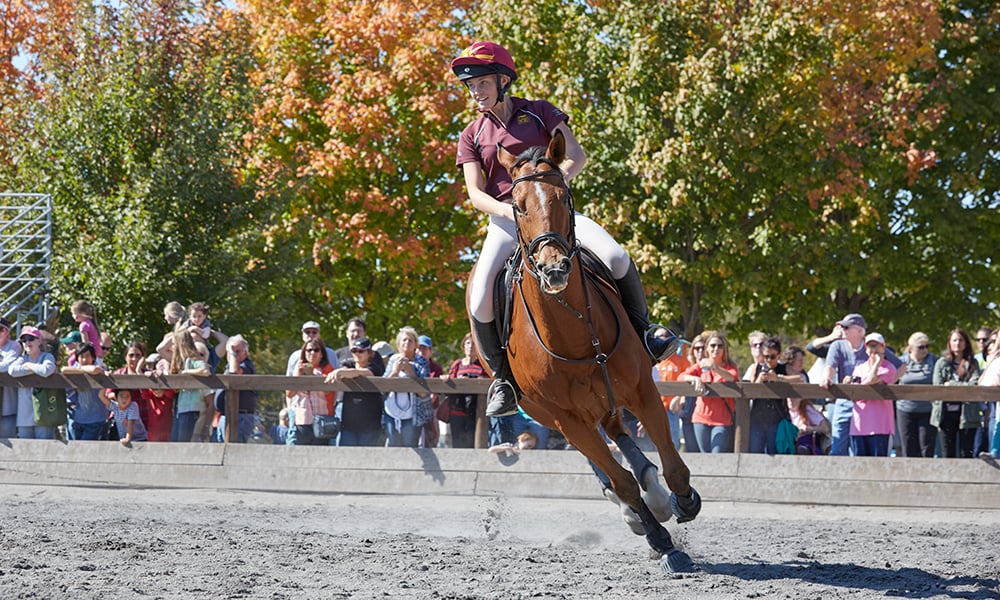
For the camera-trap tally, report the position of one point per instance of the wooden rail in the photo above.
(741, 391)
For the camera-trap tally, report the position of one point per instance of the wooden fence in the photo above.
(741, 391)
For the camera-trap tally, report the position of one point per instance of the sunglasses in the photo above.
(770, 357)
(105, 348)
(981, 340)
(716, 345)
(922, 347)
(756, 344)
(309, 350)
(28, 338)
(359, 350)
(698, 348)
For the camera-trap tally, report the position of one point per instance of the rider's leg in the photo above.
(501, 400)
(597, 240)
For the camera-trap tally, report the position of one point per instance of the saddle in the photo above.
(503, 288)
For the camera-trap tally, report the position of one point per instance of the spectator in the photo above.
(10, 350)
(843, 355)
(956, 421)
(756, 342)
(32, 361)
(383, 349)
(814, 428)
(279, 431)
(310, 331)
(981, 444)
(90, 413)
(187, 360)
(991, 376)
(684, 405)
(666, 370)
(106, 345)
(917, 437)
(71, 342)
(238, 363)
(126, 414)
(510, 429)
(766, 413)
(173, 314)
(403, 418)
(462, 407)
(201, 328)
(872, 422)
(820, 346)
(713, 417)
(160, 402)
(83, 313)
(360, 412)
(431, 431)
(135, 364)
(355, 330)
(304, 405)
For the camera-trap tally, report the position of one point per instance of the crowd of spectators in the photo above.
(849, 354)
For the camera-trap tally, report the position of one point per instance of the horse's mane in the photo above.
(533, 155)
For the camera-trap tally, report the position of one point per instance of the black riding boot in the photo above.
(634, 299)
(501, 399)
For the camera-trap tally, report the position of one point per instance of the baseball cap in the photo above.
(425, 341)
(74, 337)
(362, 343)
(875, 337)
(29, 330)
(310, 325)
(853, 319)
(5, 323)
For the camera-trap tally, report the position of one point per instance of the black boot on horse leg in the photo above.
(634, 300)
(672, 559)
(501, 399)
(646, 473)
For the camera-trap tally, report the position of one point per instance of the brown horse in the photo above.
(577, 359)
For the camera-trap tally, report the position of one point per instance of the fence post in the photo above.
(232, 410)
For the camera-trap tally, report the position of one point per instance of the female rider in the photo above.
(487, 70)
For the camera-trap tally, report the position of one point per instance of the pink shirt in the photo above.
(874, 417)
(90, 334)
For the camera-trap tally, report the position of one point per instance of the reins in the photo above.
(570, 247)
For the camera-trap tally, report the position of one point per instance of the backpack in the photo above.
(787, 436)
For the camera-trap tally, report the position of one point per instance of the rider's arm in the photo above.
(475, 184)
(575, 157)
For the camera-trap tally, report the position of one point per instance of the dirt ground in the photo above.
(125, 543)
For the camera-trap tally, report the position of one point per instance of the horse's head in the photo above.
(543, 211)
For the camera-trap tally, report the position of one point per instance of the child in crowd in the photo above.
(83, 313)
(126, 413)
(279, 432)
(201, 329)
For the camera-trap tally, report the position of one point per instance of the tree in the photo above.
(743, 152)
(135, 131)
(354, 140)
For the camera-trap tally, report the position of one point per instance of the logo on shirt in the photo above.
(522, 119)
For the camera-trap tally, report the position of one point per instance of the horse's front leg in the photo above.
(591, 444)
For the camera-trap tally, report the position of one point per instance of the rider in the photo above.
(487, 70)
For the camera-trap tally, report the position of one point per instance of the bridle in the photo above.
(570, 248)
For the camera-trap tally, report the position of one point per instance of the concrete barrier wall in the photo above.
(844, 481)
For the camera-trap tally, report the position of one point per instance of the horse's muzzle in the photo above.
(554, 277)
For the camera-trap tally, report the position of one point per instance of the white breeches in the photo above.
(501, 239)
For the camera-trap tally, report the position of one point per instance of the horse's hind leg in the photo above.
(629, 516)
(589, 442)
(656, 497)
(685, 502)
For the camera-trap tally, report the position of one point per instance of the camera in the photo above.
(765, 368)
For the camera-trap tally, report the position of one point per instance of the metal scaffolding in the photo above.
(25, 257)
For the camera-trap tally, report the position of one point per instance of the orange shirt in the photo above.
(711, 410)
(668, 370)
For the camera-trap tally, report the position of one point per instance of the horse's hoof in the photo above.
(630, 517)
(685, 509)
(656, 496)
(676, 561)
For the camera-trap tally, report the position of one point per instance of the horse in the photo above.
(578, 361)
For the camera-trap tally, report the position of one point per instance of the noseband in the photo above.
(568, 246)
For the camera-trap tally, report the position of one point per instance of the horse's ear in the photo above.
(557, 148)
(505, 157)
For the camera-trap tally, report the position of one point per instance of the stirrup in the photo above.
(502, 399)
(660, 348)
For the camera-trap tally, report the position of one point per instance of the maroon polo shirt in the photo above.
(531, 124)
